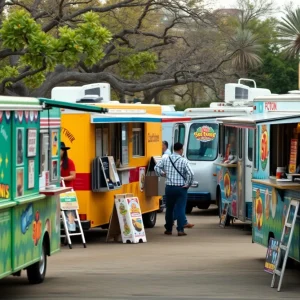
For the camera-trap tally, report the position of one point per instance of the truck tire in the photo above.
(188, 208)
(36, 273)
(149, 219)
(204, 205)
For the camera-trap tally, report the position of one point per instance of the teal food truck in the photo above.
(275, 129)
(30, 184)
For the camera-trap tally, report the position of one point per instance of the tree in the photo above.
(289, 34)
(245, 41)
(135, 45)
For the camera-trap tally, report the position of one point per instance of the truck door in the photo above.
(178, 135)
(249, 157)
(241, 175)
(245, 163)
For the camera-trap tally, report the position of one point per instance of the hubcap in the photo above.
(42, 262)
(152, 216)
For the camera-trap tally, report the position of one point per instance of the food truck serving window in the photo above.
(230, 141)
(203, 142)
(138, 139)
(283, 137)
(112, 140)
(44, 152)
(250, 144)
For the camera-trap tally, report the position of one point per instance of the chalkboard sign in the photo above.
(224, 215)
(271, 257)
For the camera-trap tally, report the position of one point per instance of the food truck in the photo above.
(275, 127)
(202, 140)
(111, 154)
(29, 209)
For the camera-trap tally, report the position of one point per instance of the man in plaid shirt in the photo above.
(179, 177)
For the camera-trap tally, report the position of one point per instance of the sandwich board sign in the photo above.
(127, 213)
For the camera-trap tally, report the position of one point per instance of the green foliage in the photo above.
(136, 65)
(289, 33)
(8, 72)
(42, 51)
(276, 73)
(183, 106)
(35, 80)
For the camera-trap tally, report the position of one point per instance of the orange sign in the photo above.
(293, 156)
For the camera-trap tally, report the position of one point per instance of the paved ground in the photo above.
(209, 263)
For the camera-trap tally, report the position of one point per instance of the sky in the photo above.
(278, 4)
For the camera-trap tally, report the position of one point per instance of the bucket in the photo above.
(279, 172)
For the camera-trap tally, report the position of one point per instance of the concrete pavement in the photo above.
(209, 263)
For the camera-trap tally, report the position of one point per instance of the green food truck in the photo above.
(30, 183)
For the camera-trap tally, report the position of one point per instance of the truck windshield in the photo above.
(203, 142)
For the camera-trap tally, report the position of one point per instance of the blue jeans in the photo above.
(175, 196)
(176, 213)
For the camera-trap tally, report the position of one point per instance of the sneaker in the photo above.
(168, 232)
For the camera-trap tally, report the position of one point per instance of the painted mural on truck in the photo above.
(227, 180)
(5, 156)
(269, 213)
(31, 222)
(5, 242)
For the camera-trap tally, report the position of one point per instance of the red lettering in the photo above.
(271, 106)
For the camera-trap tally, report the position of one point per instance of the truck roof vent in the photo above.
(90, 99)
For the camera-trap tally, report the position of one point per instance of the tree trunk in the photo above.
(149, 95)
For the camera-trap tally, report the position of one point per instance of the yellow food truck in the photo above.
(111, 152)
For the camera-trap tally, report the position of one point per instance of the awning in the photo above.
(14, 103)
(136, 118)
(124, 118)
(251, 121)
(48, 103)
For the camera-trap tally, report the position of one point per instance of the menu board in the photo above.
(271, 256)
(130, 220)
(293, 156)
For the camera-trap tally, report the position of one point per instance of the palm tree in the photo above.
(289, 34)
(246, 49)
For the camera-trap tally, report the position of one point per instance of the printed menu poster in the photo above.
(271, 256)
(136, 217)
(293, 156)
(130, 220)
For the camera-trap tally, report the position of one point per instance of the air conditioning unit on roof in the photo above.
(238, 94)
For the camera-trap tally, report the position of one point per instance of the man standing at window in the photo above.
(179, 177)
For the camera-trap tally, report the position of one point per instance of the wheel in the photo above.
(149, 219)
(36, 273)
(228, 219)
(188, 208)
(204, 205)
(105, 226)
